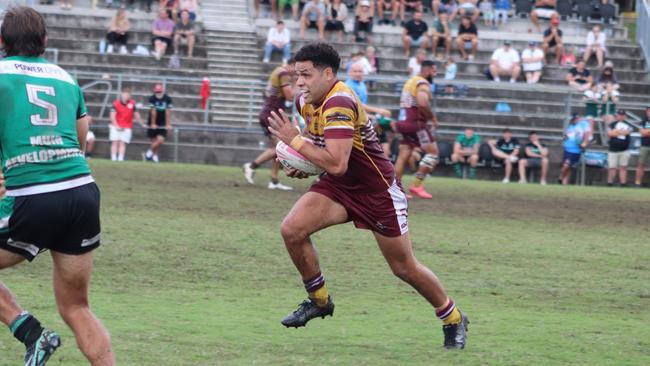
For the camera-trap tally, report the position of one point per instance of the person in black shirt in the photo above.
(506, 150)
(579, 77)
(536, 156)
(467, 32)
(415, 34)
(553, 39)
(644, 151)
(619, 143)
(160, 117)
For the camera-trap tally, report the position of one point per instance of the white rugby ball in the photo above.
(291, 159)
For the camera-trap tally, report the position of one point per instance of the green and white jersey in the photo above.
(39, 107)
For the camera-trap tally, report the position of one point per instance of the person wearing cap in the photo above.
(644, 151)
(595, 44)
(579, 77)
(441, 34)
(619, 144)
(532, 60)
(505, 62)
(467, 33)
(542, 9)
(383, 5)
(363, 21)
(160, 117)
(553, 39)
(415, 33)
(313, 16)
(278, 38)
(576, 138)
(506, 149)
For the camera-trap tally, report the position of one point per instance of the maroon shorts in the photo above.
(383, 212)
(264, 122)
(418, 138)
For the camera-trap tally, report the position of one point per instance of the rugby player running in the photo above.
(51, 199)
(359, 185)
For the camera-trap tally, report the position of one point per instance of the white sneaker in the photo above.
(266, 60)
(470, 57)
(249, 173)
(497, 79)
(109, 49)
(155, 159)
(157, 55)
(512, 81)
(522, 181)
(542, 182)
(505, 180)
(280, 186)
(123, 50)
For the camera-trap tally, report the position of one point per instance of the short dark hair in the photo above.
(322, 55)
(441, 10)
(279, 22)
(428, 63)
(23, 32)
(291, 61)
(532, 133)
(506, 130)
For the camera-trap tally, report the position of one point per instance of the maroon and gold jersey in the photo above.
(279, 79)
(340, 116)
(408, 101)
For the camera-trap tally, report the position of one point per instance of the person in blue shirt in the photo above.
(501, 10)
(576, 138)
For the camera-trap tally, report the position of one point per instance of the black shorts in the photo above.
(63, 221)
(312, 24)
(152, 133)
(571, 159)
(364, 27)
(533, 162)
(334, 25)
(168, 41)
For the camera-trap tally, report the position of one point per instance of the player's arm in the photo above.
(422, 97)
(168, 118)
(82, 131)
(644, 132)
(113, 120)
(542, 151)
(371, 109)
(531, 154)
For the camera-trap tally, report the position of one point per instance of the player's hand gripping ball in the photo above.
(291, 159)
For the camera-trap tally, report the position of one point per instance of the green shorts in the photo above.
(283, 3)
(604, 110)
(591, 110)
(644, 153)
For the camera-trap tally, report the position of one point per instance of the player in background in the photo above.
(160, 121)
(416, 127)
(51, 199)
(278, 95)
(359, 186)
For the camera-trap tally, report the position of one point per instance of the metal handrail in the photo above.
(109, 90)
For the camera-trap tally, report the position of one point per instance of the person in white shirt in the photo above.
(505, 62)
(532, 61)
(596, 45)
(278, 38)
(415, 62)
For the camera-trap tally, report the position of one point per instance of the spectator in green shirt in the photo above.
(466, 152)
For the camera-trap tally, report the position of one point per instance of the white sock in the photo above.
(120, 158)
(113, 157)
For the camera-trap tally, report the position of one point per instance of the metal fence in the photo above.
(643, 28)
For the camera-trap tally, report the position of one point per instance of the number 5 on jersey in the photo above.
(32, 95)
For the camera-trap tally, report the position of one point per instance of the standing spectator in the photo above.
(191, 6)
(122, 113)
(363, 21)
(415, 5)
(543, 9)
(382, 6)
(506, 150)
(184, 33)
(160, 121)
(532, 59)
(536, 156)
(415, 34)
(415, 63)
(501, 11)
(467, 33)
(576, 139)
(553, 39)
(313, 16)
(118, 32)
(505, 61)
(619, 154)
(467, 8)
(278, 38)
(579, 77)
(466, 152)
(163, 29)
(441, 34)
(644, 151)
(283, 4)
(487, 9)
(592, 98)
(336, 14)
(595, 44)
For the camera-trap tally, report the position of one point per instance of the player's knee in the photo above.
(291, 232)
(71, 312)
(404, 270)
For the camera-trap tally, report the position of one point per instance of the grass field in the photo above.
(193, 272)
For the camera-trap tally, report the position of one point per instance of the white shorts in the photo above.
(619, 159)
(90, 136)
(544, 13)
(120, 134)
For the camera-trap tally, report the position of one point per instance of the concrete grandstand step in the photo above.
(95, 58)
(91, 46)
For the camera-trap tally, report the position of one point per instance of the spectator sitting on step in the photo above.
(595, 44)
(542, 9)
(415, 63)
(313, 16)
(607, 76)
(553, 39)
(162, 30)
(282, 4)
(383, 6)
(441, 34)
(535, 156)
(506, 150)
(486, 8)
(505, 62)
(278, 38)
(184, 33)
(336, 14)
(466, 152)
(576, 139)
(568, 57)
(415, 33)
(532, 59)
(363, 21)
(579, 77)
(373, 60)
(171, 6)
(118, 32)
(359, 58)
(609, 99)
(644, 150)
(619, 144)
(191, 6)
(467, 33)
(467, 8)
(501, 11)
(404, 5)
(592, 98)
